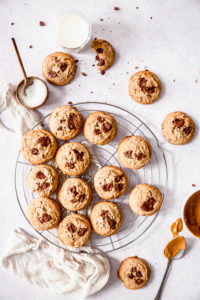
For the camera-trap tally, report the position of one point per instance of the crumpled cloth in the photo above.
(73, 274)
(24, 118)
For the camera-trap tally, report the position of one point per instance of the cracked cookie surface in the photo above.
(100, 128)
(134, 152)
(145, 199)
(105, 54)
(38, 146)
(59, 68)
(65, 122)
(144, 87)
(178, 128)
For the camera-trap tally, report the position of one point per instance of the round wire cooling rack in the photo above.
(155, 173)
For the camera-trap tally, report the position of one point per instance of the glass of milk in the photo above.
(73, 31)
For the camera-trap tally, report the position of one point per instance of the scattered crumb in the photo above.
(102, 72)
(116, 8)
(69, 102)
(119, 23)
(108, 18)
(30, 46)
(113, 83)
(174, 80)
(151, 18)
(79, 85)
(42, 23)
(76, 60)
(92, 92)
(127, 72)
(196, 81)
(101, 19)
(12, 23)
(193, 185)
(137, 7)
(84, 74)
(25, 4)
(110, 30)
(95, 38)
(136, 67)
(93, 65)
(128, 62)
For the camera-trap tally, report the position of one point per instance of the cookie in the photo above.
(145, 199)
(38, 146)
(43, 180)
(144, 87)
(134, 272)
(74, 230)
(106, 218)
(110, 182)
(65, 122)
(105, 54)
(178, 128)
(43, 213)
(75, 194)
(100, 128)
(134, 152)
(73, 159)
(59, 68)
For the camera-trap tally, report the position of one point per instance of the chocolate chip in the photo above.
(74, 200)
(45, 218)
(59, 128)
(71, 227)
(69, 165)
(63, 67)
(82, 231)
(104, 213)
(43, 186)
(111, 222)
(100, 119)
(57, 60)
(142, 83)
(118, 178)
(72, 122)
(40, 175)
(102, 72)
(42, 23)
(134, 269)
(44, 141)
(101, 19)
(149, 204)
(187, 130)
(99, 50)
(138, 274)
(76, 60)
(178, 122)
(79, 155)
(70, 102)
(52, 74)
(101, 62)
(97, 57)
(73, 191)
(140, 156)
(84, 74)
(107, 127)
(131, 276)
(97, 131)
(82, 197)
(139, 281)
(108, 187)
(35, 151)
(116, 8)
(12, 23)
(119, 187)
(150, 90)
(128, 154)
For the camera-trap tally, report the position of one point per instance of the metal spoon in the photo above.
(27, 82)
(178, 255)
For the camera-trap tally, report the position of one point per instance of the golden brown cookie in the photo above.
(105, 54)
(38, 146)
(134, 152)
(145, 199)
(73, 159)
(65, 122)
(134, 272)
(100, 128)
(106, 218)
(110, 182)
(178, 128)
(43, 180)
(75, 194)
(59, 68)
(74, 230)
(144, 87)
(43, 213)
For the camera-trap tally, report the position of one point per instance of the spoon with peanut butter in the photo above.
(173, 250)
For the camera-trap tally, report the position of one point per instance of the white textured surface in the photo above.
(168, 45)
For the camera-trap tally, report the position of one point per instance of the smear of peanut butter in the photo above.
(177, 243)
(192, 214)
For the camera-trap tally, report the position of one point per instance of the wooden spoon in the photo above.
(27, 82)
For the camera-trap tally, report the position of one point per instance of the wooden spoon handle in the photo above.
(19, 59)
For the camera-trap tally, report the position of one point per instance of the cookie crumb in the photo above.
(113, 83)
(76, 60)
(70, 102)
(116, 8)
(174, 80)
(137, 7)
(30, 46)
(42, 23)
(84, 74)
(101, 19)
(151, 18)
(91, 92)
(196, 81)
(193, 185)
(93, 65)
(119, 23)
(102, 72)
(127, 72)
(12, 23)
(136, 67)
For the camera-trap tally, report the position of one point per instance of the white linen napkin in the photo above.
(24, 118)
(73, 274)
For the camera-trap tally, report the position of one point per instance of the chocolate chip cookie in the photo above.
(110, 182)
(134, 272)
(38, 146)
(145, 199)
(105, 54)
(178, 128)
(106, 218)
(65, 122)
(74, 230)
(134, 152)
(100, 128)
(43, 180)
(59, 68)
(73, 159)
(75, 194)
(43, 213)
(144, 87)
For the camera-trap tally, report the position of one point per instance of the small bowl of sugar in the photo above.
(36, 94)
